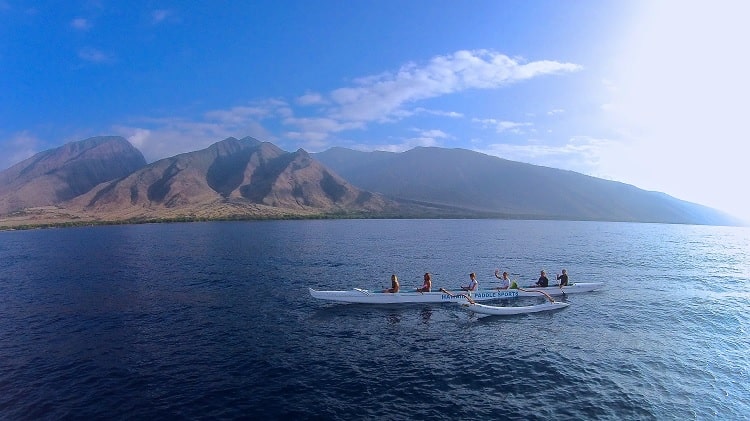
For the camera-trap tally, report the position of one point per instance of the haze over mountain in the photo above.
(60, 174)
(475, 181)
(105, 179)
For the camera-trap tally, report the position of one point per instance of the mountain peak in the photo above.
(59, 174)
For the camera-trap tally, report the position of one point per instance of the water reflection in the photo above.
(426, 314)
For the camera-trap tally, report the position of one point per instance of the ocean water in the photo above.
(214, 321)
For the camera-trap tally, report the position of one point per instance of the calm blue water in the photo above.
(214, 320)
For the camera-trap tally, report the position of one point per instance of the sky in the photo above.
(649, 93)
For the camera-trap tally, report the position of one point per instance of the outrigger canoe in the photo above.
(357, 295)
(507, 311)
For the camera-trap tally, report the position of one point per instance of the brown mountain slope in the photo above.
(60, 174)
(231, 178)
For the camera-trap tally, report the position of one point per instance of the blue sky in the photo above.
(649, 93)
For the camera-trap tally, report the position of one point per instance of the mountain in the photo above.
(105, 180)
(54, 176)
(490, 185)
(231, 178)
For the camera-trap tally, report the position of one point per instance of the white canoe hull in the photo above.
(508, 311)
(357, 295)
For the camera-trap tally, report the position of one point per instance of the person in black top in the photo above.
(543, 281)
(563, 278)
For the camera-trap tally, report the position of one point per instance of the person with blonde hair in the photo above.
(427, 286)
(473, 284)
(394, 285)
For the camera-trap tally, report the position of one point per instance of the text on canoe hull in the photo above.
(487, 294)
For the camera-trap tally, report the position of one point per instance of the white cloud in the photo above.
(451, 114)
(80, 24)
(434, 134)
(160, 15)
(238, 115)
(138, 137)
(378, 98)
(403, 145)
(501, 126)
(163, 137)
(381, 97)
(582, 154)
(555, 111)
(93, 55)
(311, 99)
(321, 125)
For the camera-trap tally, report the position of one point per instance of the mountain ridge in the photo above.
(484, 183)
(250, 179)
(242, 172)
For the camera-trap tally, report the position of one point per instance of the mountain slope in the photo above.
(60, 174)
(483, 183)
(230, 178)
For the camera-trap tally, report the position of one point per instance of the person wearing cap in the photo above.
(563, 278)
(473, 284)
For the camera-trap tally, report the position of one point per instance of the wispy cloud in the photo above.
(556, 111)
(434, 133)
(161, 137)
(382, 97)
(93, 55)
(81, 24)
(161, 15)
(313, 118)
(20, 146)
(399, 146)
(501, 126)
(451, 114)
(311, 98)
(582, 154)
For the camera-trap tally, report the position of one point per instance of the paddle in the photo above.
(561, 286)
(469, 299)
(549, 297)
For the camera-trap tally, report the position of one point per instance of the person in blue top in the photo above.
(473, 284)
(543, 281)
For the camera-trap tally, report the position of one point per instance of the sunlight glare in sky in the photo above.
(681, 102)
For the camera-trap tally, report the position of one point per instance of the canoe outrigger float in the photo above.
(508, 311)
(486, 310)
(357, 295)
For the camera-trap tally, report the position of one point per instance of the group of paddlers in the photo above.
(505, 282)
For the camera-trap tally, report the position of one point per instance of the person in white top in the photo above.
(473, 284)
(504, 281)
